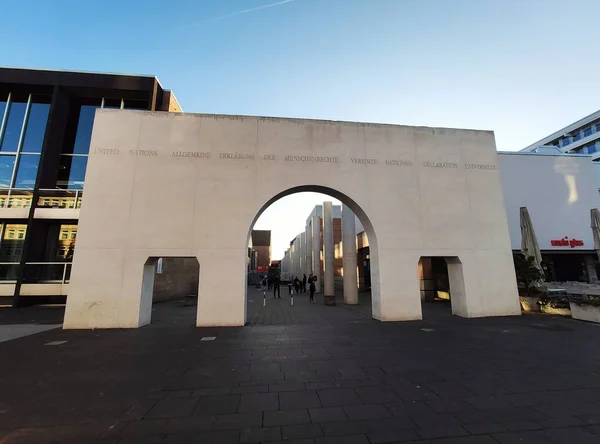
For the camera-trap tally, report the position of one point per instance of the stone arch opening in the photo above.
(170, 282)
(372, 256)
(441, 279)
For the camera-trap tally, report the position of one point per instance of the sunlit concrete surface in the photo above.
(8, 332)
(189, 185)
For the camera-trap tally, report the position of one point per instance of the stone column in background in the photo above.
(308, 252)
(328, 253)
(293, 260)
(316, 251)
(302, 238)
(349, 257)
(296, 256)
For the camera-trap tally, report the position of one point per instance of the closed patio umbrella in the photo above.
(529, 243)
(595, 216)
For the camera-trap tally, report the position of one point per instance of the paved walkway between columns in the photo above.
(447, 380)
(281, 312)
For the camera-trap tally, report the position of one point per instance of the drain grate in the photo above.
(208, 338)
(55, 343)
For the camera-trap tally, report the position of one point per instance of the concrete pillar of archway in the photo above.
(328, 254)
(395, 290)
(349, 257)
(481, 284)
(316, 250)
(221, 303)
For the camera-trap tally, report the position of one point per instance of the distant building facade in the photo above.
(260, 250)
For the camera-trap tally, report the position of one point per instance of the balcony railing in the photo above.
(15, 198)
(36, 272)
(57, 198)
(47, 272)
(60, 199)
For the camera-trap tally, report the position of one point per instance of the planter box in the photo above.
(585, 312)
(530, 303)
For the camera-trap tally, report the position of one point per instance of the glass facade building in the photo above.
(46, 122)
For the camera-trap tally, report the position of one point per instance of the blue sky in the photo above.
(523, 68)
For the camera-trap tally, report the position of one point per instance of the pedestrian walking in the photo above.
(276, 283)
(304, 283)
(311, 283)
(297, 285)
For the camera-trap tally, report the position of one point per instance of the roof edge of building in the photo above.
(593, 116)
(76, 71)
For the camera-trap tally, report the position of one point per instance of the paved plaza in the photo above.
(306, 374)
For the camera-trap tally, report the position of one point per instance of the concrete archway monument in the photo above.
(187, 185)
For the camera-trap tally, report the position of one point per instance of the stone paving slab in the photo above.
(318, 375)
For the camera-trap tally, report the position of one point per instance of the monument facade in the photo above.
(188, 185)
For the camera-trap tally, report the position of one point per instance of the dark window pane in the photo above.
(7, 163)
(2, 107)
(136, 104)
(592, 149)
(84, 129)
(11, 248)
(566, 141)
(112, 103)
(587, 132)
(14, 124)
(36, 128)
(71, 172)
(27, 171)
(60, 243)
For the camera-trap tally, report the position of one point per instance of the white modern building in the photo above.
(581, 137)
(559, 190)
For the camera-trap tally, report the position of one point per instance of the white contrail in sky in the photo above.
(234, 14)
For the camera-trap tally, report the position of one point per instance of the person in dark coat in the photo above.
(276, 289)
(297, 284)
(304, 283)
(311, 283)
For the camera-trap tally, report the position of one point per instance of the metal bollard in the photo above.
(264, 298)
(292, 301)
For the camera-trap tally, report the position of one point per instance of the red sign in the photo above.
(566, 242)
(262, 269)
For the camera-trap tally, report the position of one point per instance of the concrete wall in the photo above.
(167, 184)
(596, 166)
(558, 191)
